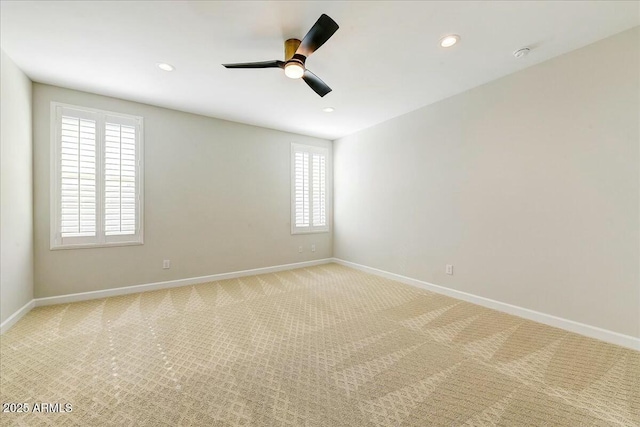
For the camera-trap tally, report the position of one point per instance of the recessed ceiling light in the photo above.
(328, 109)
(166, 67)
(522, 52)
(450, 40)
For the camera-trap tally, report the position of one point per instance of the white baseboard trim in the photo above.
(548, 319)
(11, 320)
(536, 316)
(125, 290)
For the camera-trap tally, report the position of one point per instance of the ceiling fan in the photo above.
(296, 53)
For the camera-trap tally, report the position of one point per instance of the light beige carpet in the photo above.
(321, 346)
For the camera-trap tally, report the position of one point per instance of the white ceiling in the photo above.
(384, 60)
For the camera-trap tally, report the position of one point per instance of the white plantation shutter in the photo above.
(119, 179)
(78, 177)
(308, 189)
(319, 189)
(96, 193)
(302, 190)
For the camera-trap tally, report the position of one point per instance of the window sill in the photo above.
(94, 245)
(294, 232)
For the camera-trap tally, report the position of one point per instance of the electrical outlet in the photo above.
(299, 249)
(166, 264)
(450, 269)
(313, 248)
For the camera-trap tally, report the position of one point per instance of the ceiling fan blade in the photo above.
(321, 31)
(263, 64)
(315, 83)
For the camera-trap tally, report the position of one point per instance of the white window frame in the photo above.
(311, 149)
(101, 239)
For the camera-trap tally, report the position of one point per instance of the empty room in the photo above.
(320, 213)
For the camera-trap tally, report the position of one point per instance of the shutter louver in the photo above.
(119, 179)
(77, 177)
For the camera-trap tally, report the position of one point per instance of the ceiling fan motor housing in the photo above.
(293, 59)
(298, 58)
(290, 47)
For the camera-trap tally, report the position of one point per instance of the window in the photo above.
(308, 189)
(96, 178)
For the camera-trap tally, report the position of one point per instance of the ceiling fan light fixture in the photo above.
(450, 40)
(293, 70)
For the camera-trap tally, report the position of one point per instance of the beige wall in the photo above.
(16, 214)
(216, 200)
(528, 185)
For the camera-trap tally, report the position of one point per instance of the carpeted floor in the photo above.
(321, 346)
